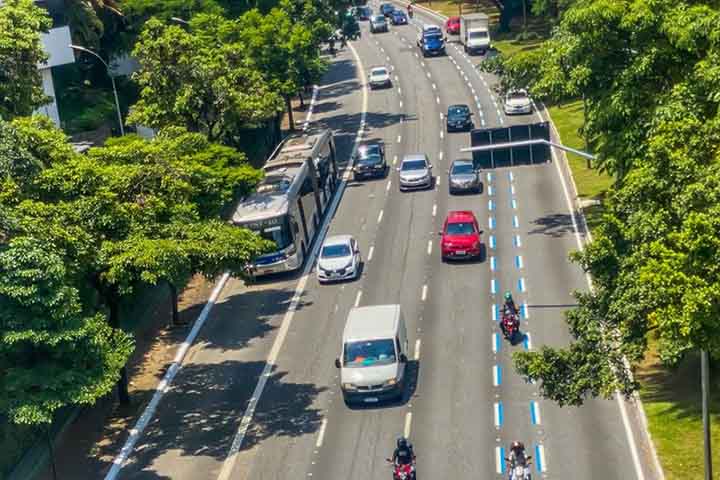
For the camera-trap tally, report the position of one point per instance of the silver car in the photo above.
(379, 77)
(517, 101)
(462, 177)
(339, 259)
(378, 24)
(415, 171)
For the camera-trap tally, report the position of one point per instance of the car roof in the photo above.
(398, 12)
(462, 161)
(372, 322)
(378, 67)
(337, 240)
(458, 105)
(414, 156)
(378, 17)
(457, 216)
(429, 26)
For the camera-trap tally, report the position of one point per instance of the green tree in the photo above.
(653, 258)
(285, 52)
(21, 23)
(199, 79)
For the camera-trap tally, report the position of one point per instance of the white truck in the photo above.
(475, 32)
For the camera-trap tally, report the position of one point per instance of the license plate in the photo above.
(370, 400)
(461, 252)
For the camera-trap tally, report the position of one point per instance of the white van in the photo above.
(373, 354)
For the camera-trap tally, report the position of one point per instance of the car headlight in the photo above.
(348, 386)
(390, 383)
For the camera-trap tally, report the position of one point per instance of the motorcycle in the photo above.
(403, 471)
(520, 471)
(509, 324)
(410, 13)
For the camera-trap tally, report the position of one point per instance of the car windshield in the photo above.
(433, 36)
(462, 168)
(414, 165)
(478, 35)
(378, 72)
(370, 159)
(369, 353)
(335, 251)
(517, 96)
(458, 111)
(399, 13)
(460, 228)
(379, 18)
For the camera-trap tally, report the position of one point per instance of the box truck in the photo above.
(475, 32)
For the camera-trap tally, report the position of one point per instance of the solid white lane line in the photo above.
(429, 249)
(370, 252)
(408, 422)
(380, 215)
(321, 434)
(423, 296)
(358, 297)
(417, 349)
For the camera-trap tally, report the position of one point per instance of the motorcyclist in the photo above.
(403, 453)
(517, 454)
(509, 307)
(410, 10)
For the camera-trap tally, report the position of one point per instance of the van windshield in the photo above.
(369, 353)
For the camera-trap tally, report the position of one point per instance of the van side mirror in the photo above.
(403, 358)
(337, 363)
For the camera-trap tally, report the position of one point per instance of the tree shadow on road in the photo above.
(554, 225)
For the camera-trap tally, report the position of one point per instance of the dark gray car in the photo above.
(462, 177)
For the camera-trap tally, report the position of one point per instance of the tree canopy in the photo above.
(21, 23)
(649, 73)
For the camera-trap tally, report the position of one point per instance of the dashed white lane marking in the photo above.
(535, 413)
(428, 75)
(422, 64)
(476, 98)
(440, 155)
(321, 434)
(499, 460)
(397, 79)
(417, 55)
(408, 422)
(434, 211)
(380, 215)
(401, 104)
(442, 134)
(423, 296)
(387, 59)
(370, 252)
(497, 410)
(437, 181)
(540, 452)
(434, 87)
(387, 188)
(441, 116)
(399, 139)
(399, 91)
(394, 159)
(417, 349)
(497, 376)
(437, 100)
(429, 249)
(358, 297)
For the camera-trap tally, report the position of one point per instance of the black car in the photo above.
(387, 9)
(459, 118)
(363, 13)
(370, 162)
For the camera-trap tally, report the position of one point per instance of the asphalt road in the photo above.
(465, 402)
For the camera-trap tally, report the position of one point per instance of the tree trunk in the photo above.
(302, 100)
(174, 301)
(291, 121)
(113, 301)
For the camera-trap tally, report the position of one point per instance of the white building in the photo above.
(56, 43)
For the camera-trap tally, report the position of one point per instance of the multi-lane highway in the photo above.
(228, 416)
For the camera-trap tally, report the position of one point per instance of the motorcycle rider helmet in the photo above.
(401, 442)
(508, 296)
(517, 445)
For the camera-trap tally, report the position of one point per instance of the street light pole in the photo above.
(112, 80)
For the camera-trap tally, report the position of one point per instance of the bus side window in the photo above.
(307, 187)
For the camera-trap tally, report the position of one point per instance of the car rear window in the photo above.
(414, 165)
(460, 228)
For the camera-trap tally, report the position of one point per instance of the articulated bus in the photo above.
(301, 177)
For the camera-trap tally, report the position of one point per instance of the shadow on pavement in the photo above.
(555, 225)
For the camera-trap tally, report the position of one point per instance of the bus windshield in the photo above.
(274, 229)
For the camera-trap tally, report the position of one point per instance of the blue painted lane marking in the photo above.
(521, 284)
(518, 261)
(491, 191)
(513, 204)
(491, 223)
(540, 458)
(516, 241)
(498, 407)
(500, 460)
(491, 205)
(516, 222)
(493, 264)
(535, 413)
(527, 342)
(497, 375)
(496, 342)
(492, 242)
(524, 311)
(495, 313)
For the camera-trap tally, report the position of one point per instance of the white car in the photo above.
(517, 101)
(339, 259)
(380, 77)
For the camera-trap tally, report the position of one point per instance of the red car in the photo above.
(452, 26)
(461, 236)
